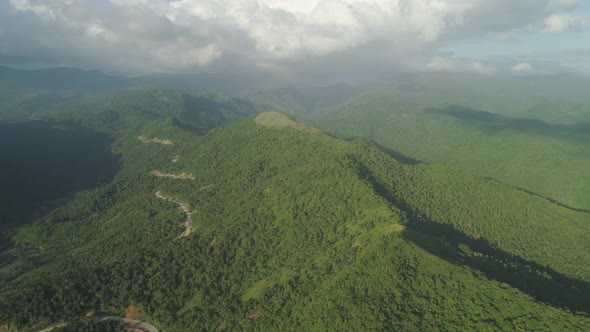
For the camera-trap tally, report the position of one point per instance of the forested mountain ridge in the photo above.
(292, 228)
(551, 160)
(129, 109)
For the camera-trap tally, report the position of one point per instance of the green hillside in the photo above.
(551, 160)
(292, 229)
(67, 148)
(558, 99)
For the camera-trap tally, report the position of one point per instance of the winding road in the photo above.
(31, 251)
(187, 213)
(132, 323)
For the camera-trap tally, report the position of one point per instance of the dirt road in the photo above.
(132, 323)
(187, 213)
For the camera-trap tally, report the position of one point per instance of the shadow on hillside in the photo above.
(541, 282)
(402, 158)
(540, 196)
(495, 122)
(203, 113)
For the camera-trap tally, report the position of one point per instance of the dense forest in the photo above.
(548, 159)
(289, 228)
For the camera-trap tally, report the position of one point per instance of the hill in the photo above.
(291, 228)
(67, 148)
(26, 93)
(556, 99)
(551, 160)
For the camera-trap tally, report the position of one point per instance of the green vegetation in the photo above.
(553, 99)
(551, 160)
(297, 101)
(67, 148)
(294, 229)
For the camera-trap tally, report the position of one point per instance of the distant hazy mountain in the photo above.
(549, 159)
(62, 78)
(74, 79)
(300, 100)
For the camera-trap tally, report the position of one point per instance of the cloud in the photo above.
(523, 68)
(304, 37)
(448, 64)
(562, 23)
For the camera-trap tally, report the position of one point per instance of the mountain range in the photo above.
(355, 210)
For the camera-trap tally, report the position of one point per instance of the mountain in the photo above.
(67, 148)
(557, 99)
(80, 80)
(301, 100)
(270, 224)
(29, 92)
(61, 78)
(128, 109)
(549, 159)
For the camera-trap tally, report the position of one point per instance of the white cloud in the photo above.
(565, 22)
(558, 5)
(282, 35)
(523, 68)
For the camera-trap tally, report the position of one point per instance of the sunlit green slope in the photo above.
(548, 159)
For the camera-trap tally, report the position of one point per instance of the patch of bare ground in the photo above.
(51, 328)
(254, 315)
(278, 120)
(110, 221)
(155, 140)
(7, 328)
(222, 327)
(131, 312)
(181, 176)
(187, 220)
(131, 324)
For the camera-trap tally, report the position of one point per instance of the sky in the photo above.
(318, 39)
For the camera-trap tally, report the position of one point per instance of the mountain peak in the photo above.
(277, 120)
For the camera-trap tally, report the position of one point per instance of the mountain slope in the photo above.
(293, 229)
(548, 159)
(68, 147)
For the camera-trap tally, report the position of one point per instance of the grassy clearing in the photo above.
(278, 120)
